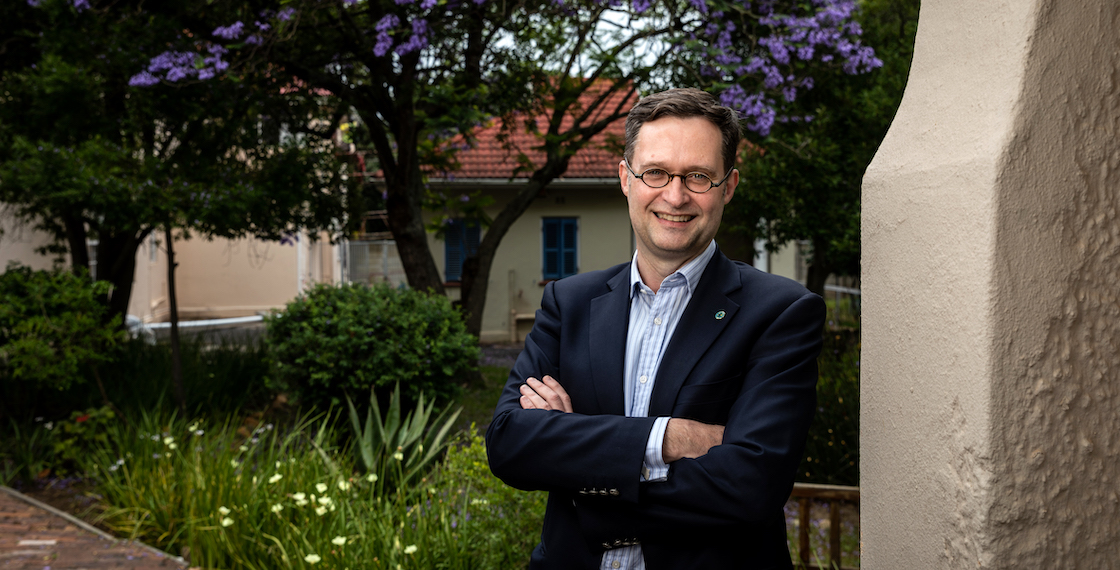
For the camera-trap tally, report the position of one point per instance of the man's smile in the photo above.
(672, 218)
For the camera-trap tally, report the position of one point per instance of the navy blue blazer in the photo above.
(743, 355)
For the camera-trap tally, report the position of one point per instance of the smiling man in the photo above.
(664, 403)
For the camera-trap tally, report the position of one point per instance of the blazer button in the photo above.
(614, 492)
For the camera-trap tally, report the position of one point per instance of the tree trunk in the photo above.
(76, 237)
(407, 224)
(173, 302)
(816, 276)
(116, 263)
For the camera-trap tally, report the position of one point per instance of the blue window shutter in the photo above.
(460, 242)
(559, 240)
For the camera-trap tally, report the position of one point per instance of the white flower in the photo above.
(343, 485)
(275, 477)
(49, 426)
(277, 508)
(479, 502)
(321, 511)
(167, 440)
(233, 463)
(312, 558)
(410, 549)
(398, 456)
(227, 521)
(244, 448)
(254, 479)
(372, 477)
(324, 500)
(279, 464)
(223, 510)
(338, 540)
(198, 432)
(321, 487)
(172, 445)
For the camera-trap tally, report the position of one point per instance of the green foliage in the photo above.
(399, 451)
(803, 181)
(52, 327)
(73, 439)
(832, 450)
(351, 337)
(287, 498)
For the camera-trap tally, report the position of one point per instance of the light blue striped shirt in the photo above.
(653, 318)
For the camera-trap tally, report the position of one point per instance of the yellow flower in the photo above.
(321, 487)
(244, 448)
(227, 521)
(276, 477)
(338, 540)
(410, 549)
(312, 558)
(222, 509)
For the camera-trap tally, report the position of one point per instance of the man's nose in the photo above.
(676, 194)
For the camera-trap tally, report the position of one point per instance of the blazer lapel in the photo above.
(705, 317)
(610, 316)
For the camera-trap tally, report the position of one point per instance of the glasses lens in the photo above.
(697, 182)
(655, 177)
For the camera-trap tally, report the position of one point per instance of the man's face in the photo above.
(672, 223)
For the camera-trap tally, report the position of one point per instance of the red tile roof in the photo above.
(491, 158)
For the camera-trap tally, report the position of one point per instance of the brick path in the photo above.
(37, 536)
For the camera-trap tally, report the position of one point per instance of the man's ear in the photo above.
(624, 178)
(732, 182)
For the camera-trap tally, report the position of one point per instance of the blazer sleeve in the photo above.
(749, 476)
(586, 454)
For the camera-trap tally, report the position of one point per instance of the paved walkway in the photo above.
(37, 536)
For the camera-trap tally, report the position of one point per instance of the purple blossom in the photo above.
(387, 22)
(428, 4)
(254, 40)
(81, 5)
(230, 32)
(34, 3)
(285, 14)
(384, 42)
(143, 79)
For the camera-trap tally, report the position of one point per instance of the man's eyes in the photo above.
(698, 177)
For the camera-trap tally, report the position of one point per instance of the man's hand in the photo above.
(546, 395)
(688, 438)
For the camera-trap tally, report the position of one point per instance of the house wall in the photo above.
(18, 242)
(515, 285)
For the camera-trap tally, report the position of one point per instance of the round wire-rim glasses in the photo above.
(696, 182)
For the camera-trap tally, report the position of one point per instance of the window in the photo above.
(560, 239)
(460, 242)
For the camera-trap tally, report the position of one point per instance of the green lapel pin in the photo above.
(720, 315)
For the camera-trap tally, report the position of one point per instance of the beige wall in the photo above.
(18, 242)
(989, 399)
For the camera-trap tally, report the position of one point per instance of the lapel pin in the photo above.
(720, 315)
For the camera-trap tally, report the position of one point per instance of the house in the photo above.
(578, 223)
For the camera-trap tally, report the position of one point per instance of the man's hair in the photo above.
(685, 103)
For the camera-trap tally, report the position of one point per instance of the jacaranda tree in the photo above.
(420, 73)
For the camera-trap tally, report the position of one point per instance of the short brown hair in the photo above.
(684, 103)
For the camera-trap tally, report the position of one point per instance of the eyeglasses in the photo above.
(697, 182)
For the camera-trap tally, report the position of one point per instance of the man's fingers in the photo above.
(530, 400)
(547, 395)
(565, 401)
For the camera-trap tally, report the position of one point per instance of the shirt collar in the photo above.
(691, 271)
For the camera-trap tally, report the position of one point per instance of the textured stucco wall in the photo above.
(1056, 438)
(990, 317)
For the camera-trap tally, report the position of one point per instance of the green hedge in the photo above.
(335, 340)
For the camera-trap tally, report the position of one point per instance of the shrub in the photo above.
(832, 450)
(52, 327)
(349, 338)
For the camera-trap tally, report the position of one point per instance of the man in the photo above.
(664, 403)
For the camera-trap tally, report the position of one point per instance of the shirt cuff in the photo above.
(654, 468)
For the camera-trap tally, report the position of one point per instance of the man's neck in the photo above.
(654, 272)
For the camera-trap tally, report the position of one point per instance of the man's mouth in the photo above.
(672, 218)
